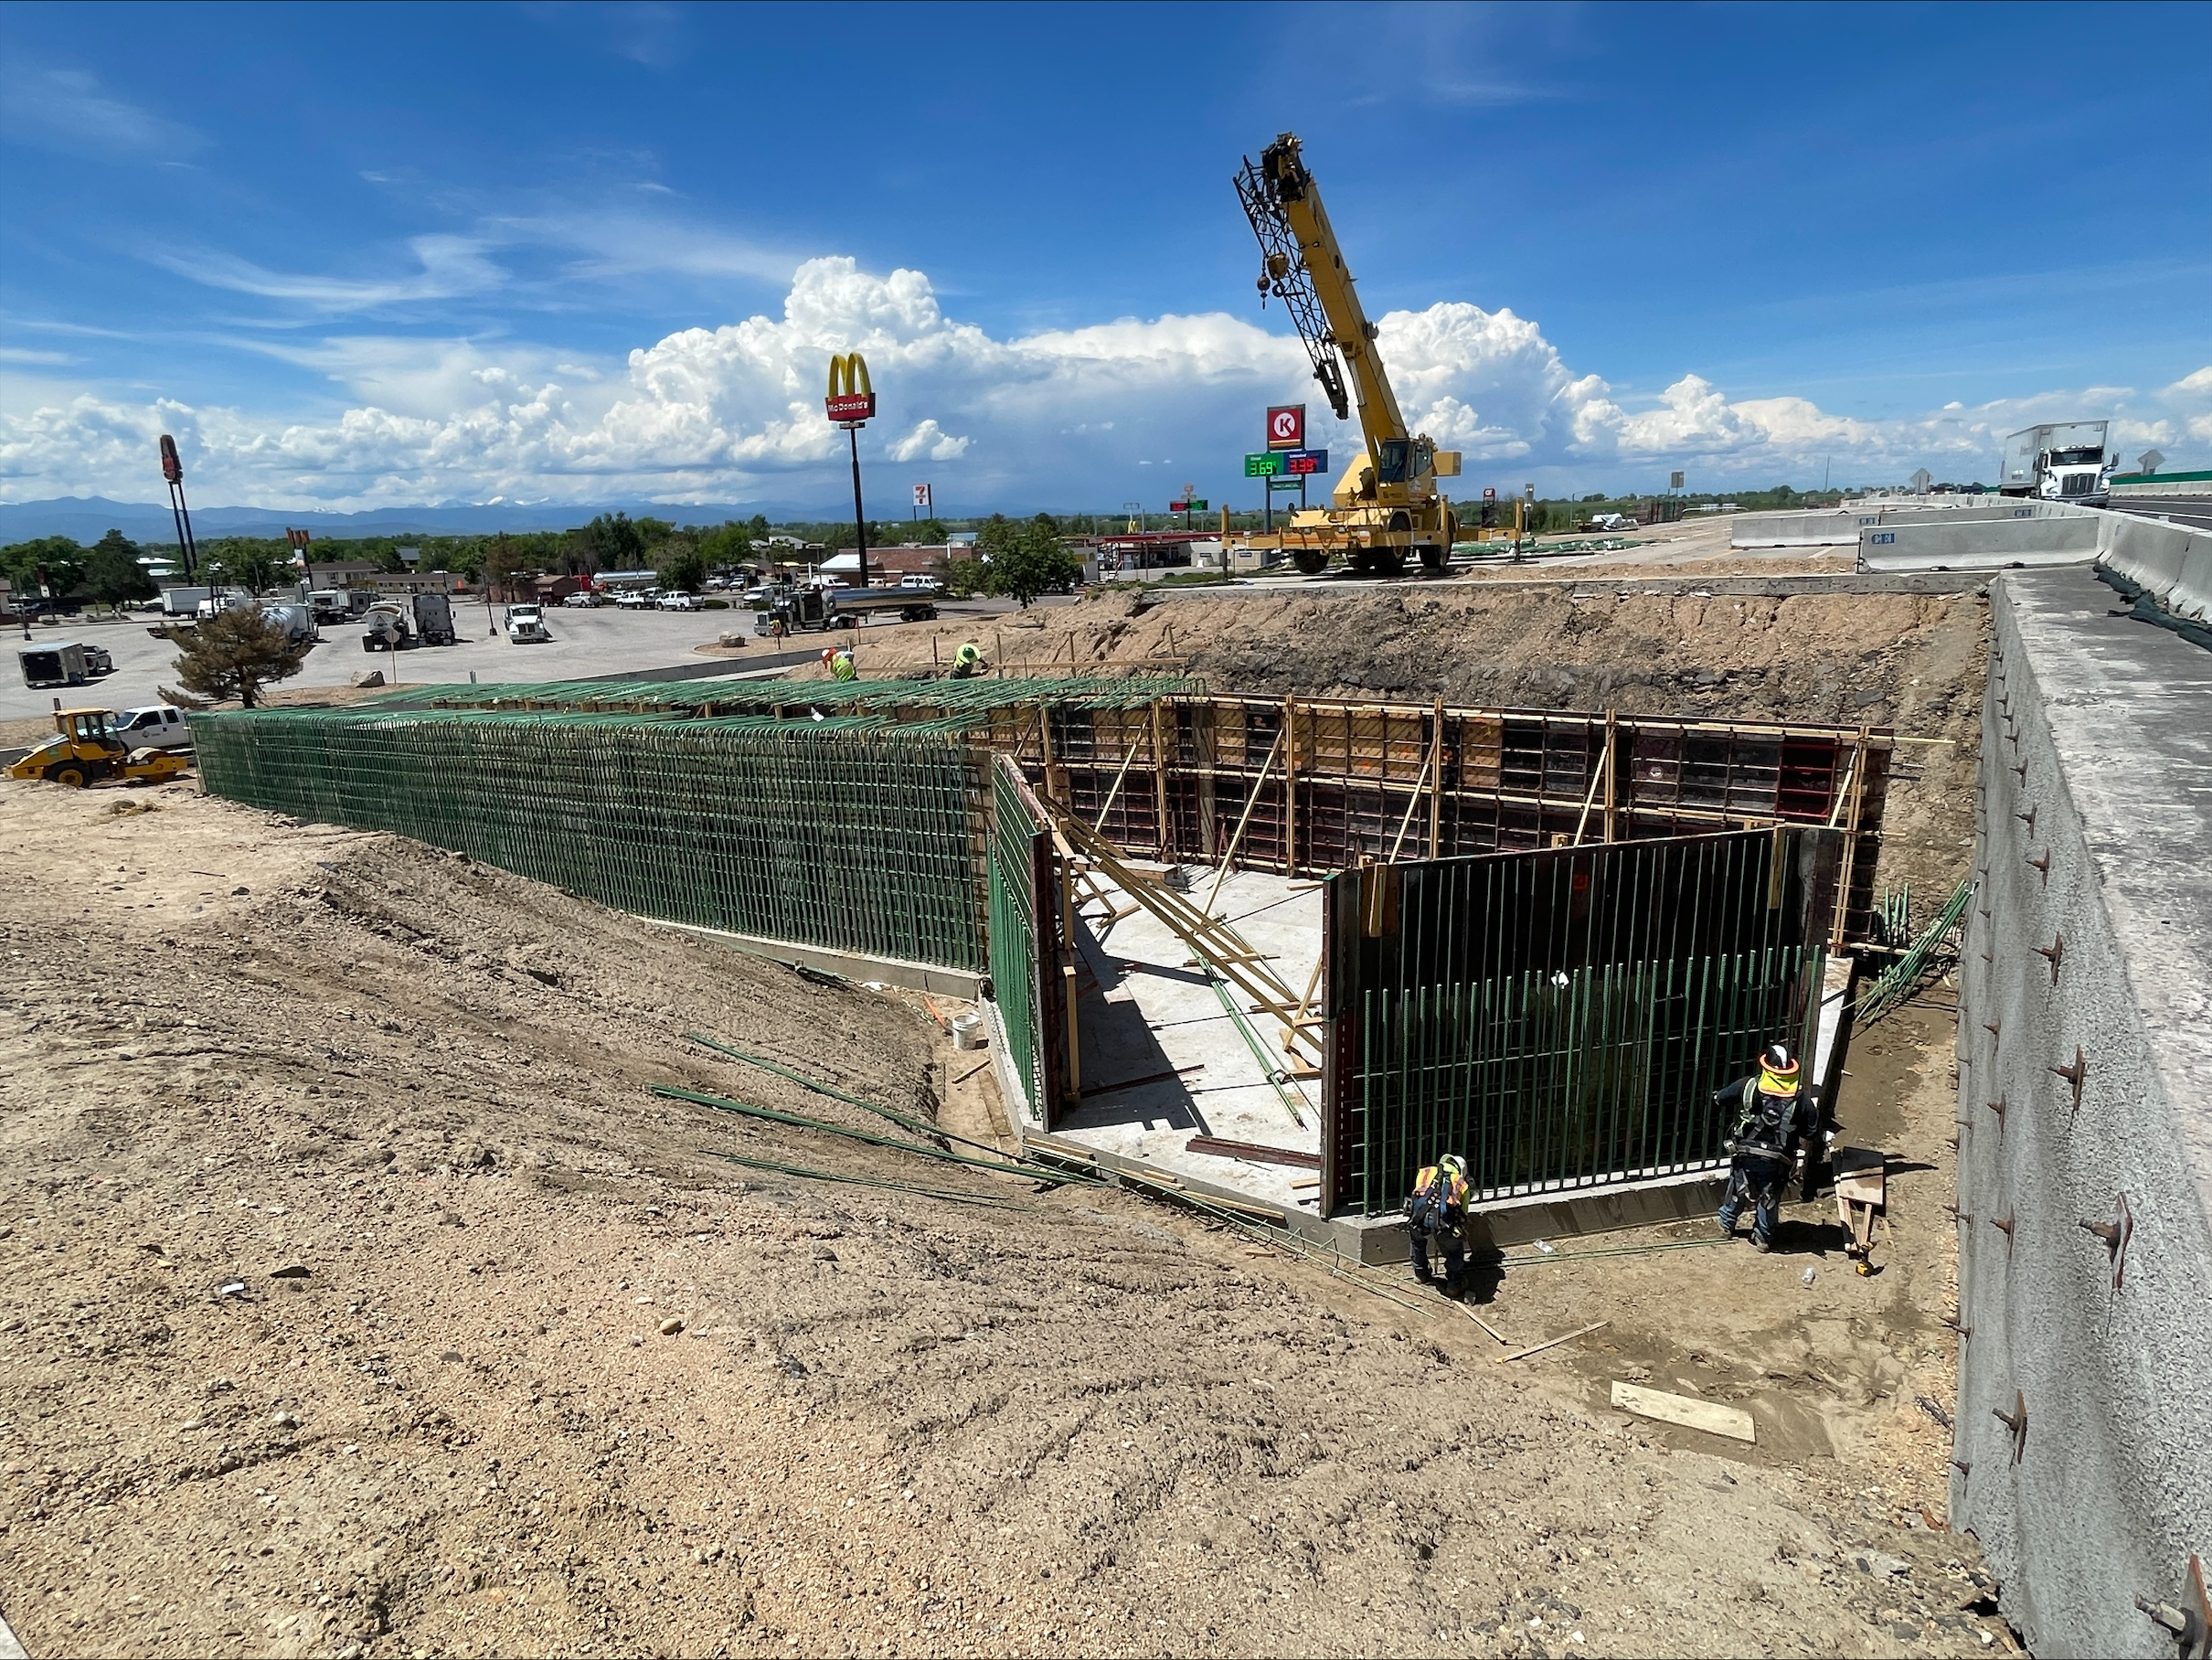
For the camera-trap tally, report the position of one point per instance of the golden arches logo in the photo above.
(851, 398)
(849, 376)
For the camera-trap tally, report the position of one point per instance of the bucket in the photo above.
(967, 1031)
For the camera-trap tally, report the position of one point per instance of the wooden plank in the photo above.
(1715, 1420)
(1256, 1152)
(1537, 1348)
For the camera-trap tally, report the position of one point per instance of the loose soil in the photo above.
(357, 1297)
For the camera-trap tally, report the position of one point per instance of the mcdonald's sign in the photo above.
(851, 398)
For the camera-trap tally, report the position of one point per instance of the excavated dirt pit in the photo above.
(341, 1236)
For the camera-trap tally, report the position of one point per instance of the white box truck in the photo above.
(2060, 460)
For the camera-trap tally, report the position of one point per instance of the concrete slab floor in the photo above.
(1142, 1014)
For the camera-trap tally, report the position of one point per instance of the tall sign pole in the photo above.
(851, 404)
(173, 469)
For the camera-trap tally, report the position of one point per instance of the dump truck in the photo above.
(805, 608)
(1387, 507)
(86, 750)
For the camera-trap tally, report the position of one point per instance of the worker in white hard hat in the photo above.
(1437, 1211)
(1771, 1112)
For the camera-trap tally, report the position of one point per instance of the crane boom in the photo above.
(1303, 266)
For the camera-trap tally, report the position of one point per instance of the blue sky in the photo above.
(359, 256)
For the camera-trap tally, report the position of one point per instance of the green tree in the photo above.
(725, 545)
(234, 655)
(680, 566)
(253, 563)
(60, 557)
(612, 542)
(112, 574)
(502, 560)
(964, 578)
(758, 524)
(1026, 560)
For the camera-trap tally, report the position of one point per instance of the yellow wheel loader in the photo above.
(85, 751)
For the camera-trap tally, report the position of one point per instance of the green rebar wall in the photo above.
(846, 835)
(1560, 1019)
(1014, 835)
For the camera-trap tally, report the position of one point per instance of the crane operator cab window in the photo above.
(1390, 463)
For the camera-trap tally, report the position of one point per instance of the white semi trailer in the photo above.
(2062, 460)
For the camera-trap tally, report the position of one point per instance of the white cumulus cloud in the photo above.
(1064, 417)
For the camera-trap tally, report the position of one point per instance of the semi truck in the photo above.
(2061, 461)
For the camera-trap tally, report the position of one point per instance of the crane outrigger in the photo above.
(1387, 505)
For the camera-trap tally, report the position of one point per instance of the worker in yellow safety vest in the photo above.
(1437, 1210)
(839, 663)
(967, 662)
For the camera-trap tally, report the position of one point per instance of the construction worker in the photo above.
(967, 662)
(1437, 1210)
(1771, 1112)
(841, 666)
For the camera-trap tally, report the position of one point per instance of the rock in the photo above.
(373, 677)
(284, 1421)
(291, 1271)
(450, 1354)
(1882, 1565)
(473, 1156)
(823, 1254)
(239, 893)
(671, 1327)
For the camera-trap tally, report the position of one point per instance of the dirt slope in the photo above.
(1058, 1421)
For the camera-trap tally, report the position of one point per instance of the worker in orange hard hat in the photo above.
(1772, 1111)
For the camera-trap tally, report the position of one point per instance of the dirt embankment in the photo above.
(1913, 662)
(341, 1239)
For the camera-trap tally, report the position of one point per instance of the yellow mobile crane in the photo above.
(1387, 505)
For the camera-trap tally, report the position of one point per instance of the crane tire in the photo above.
(1433, 558)
(1386, 562)
(1310, 561)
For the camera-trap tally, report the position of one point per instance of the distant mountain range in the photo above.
(88, 519)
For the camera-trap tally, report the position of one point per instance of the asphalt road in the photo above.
(2194, 511)
(604, 641)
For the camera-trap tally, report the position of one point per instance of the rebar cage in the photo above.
(1559, 1036)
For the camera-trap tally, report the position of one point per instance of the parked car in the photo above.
(157, 726)
(679, 600)
(583, 600)
(632, 600)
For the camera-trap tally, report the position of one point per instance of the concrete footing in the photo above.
(849, 965)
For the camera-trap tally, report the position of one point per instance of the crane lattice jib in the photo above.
(1279, 252)
(1304, 266)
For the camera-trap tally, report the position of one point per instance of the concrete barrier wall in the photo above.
(2172, 564)
(2085, 1080)
(1980, 544)
(1831, 528)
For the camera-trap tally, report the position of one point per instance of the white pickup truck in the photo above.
(157, 726)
